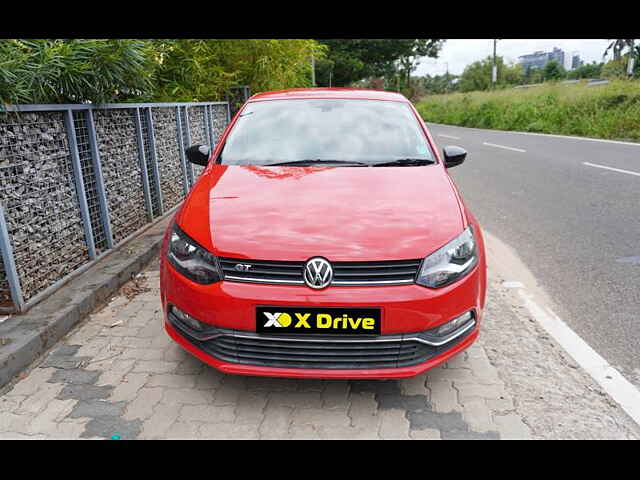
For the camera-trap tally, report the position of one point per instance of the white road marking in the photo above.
(619, 142)
(629, 172)
(502, 146)
(611, 381)
(448, 136)
(505, 263)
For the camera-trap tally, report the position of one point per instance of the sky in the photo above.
(460, 53)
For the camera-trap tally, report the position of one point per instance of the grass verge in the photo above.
(605, 111)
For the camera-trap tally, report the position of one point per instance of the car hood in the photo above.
(341, 213)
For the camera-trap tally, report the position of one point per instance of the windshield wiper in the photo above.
(318, 161)
(403, 162)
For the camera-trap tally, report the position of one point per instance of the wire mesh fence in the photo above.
(148, 157)
(185, 134)
(172, 184)
(119, 154)
(41, 205)
(198, 127)
(89, 179)
(77, 180)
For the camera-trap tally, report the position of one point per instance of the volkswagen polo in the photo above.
(324, 238)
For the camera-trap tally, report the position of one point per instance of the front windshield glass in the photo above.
(367, 131)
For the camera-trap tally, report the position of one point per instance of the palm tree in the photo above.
(618, 46)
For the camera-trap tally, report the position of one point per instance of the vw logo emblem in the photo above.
(318, 273)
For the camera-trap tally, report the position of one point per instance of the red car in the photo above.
(324, 239)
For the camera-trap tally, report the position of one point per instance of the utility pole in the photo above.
(632, 60)
(313, 71)
(330, 72)
(447, 87)
(494, 69)
(446, 78)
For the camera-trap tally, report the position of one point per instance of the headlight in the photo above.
(191, 260)
(451, 262)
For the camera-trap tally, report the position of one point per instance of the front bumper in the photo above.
(231, 307)
(287, 372)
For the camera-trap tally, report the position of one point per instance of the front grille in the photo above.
(316, 351)
(396, 272)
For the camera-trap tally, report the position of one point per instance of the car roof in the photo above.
(345, 93)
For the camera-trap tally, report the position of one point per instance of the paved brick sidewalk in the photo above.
(120, 374)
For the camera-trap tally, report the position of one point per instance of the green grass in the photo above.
(605, 111)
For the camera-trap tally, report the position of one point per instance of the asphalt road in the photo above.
(575, 225)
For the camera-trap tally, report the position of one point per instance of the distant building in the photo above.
(567, 60)
(534, 60)
(558, 55)
(576, 62)
(540, 59)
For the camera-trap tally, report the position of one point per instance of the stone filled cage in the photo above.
(79, 180)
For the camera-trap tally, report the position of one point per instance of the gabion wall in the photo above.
(197, 124)
(78, 180)
(169, 164)
(198, 127)
(39, 198)
(82, 133)
(219, 120)
(118, 146)
(185, 137)
(149, 163)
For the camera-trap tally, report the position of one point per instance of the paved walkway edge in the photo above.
(27, 336)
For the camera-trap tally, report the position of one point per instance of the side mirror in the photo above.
(198, 154)
(453, 155)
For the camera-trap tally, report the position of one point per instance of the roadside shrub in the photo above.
(120, 70)
(74, 71)
(615, 68)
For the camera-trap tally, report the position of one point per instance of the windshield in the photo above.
(359, 131)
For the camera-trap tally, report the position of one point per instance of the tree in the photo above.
(438, 84)
(413, 51)
(553, 71)
(512, 75)
(197, 70)
(477, 75)
(618, 46)
(350, 60)
(532, 75)
(590, 70)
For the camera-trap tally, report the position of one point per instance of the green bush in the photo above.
(74, 71)
(615, 68)
(605, 111)
(198, 70)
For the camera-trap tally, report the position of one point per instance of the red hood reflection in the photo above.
(341, 213)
